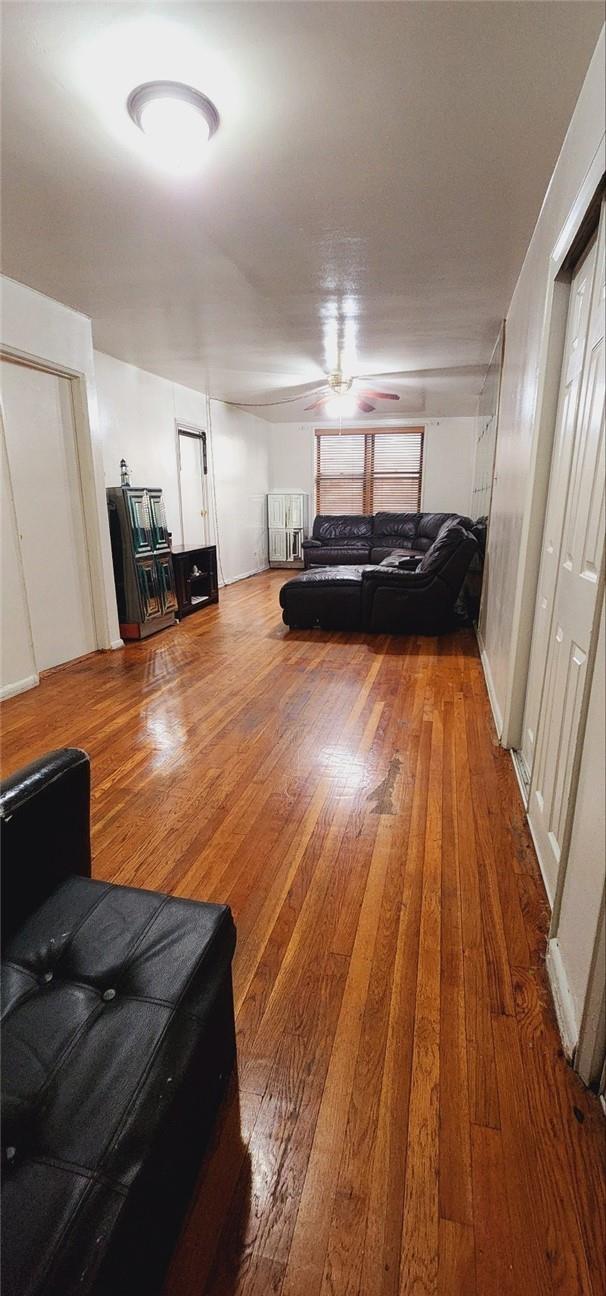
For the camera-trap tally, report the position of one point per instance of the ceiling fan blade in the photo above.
(378, 395)
(318, 403)
(364, 405)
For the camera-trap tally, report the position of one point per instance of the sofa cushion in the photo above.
(430, 525)
(106, 994)
(448, 540)
(346, 551)
(353, 526)
(400, 528)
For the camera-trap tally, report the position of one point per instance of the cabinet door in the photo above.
(277, 546)
(149, 588)
(167, 584)
(276, 511)
(138, 508)
(295, 511)
(159, 531)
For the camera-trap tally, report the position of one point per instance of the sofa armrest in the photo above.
(312, 544)
(45, 831)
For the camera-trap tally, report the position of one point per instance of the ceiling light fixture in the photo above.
(343, 406)
(177, 120)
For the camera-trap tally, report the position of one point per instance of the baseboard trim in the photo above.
(20, 686)
(233, 580)
(519, 768)
(116, 643)
(490, 689)
(562, 998)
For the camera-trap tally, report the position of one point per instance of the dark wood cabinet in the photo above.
(143, 567)
(196, 579)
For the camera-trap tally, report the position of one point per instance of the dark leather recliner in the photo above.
(398, 596)
(118, 1038)
(352, 539)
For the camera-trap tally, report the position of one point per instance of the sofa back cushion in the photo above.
(450, 538)
(351, 526)
(430, 525)
(400, 527)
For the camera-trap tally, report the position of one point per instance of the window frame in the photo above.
(368, 472)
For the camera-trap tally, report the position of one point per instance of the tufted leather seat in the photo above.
(117, 1038)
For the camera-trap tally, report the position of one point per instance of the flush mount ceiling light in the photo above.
(177, 120)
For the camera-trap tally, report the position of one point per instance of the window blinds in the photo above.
(369, 472)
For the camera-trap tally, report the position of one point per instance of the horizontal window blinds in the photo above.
(369, 472)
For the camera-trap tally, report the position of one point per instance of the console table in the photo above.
(195, 577)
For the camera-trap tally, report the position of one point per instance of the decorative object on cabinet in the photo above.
(196, 579)
(124, 473)
(287, 513)
(143, 566)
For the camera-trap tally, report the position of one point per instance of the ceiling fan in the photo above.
(343, 399)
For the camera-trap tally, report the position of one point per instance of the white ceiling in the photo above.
(373, 185)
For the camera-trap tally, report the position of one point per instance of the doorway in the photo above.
(193, 468)
(43, 472)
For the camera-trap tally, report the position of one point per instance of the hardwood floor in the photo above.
(405, 1121)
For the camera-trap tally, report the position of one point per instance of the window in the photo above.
(369, 472)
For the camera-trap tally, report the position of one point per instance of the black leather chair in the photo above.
(353, 539)
(401, 595)
(118, 1038)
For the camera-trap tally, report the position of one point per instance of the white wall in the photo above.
(137, 413)
(520, 471)
(36, 328)
(448, 461)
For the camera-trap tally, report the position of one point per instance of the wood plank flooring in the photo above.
(404, 1120)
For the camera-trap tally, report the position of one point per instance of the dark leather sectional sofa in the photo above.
(118, 1038)
(356, 538)
(401, 595)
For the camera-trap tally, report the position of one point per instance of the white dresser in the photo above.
(287, 513)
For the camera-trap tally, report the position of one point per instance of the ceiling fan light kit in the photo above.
(344, 400)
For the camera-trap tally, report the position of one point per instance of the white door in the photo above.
(578, 575)
(192, 487)
(564, 438)
(42, 456)
(295, 512)
(276, 511)
(277, 546)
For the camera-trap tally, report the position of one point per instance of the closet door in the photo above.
(564, 437)
(578, 574)
(42, 457)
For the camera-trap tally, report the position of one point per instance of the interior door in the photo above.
(295, 511)
(575, 344)
(578, 573)
(192, 487)
(276, 511)
(42, 455)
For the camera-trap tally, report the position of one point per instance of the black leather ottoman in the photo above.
(330, 597)
(118, 1038)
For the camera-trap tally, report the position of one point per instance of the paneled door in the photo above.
(43, 461)
(276, 511)
(574, 564)
(577, 330)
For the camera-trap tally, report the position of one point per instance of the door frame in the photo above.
(78, 386)
(195, 434)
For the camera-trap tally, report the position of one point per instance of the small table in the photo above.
(196, 579)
